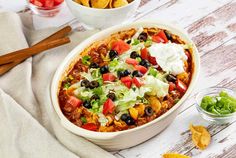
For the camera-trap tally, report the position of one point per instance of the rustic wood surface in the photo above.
(212, 26)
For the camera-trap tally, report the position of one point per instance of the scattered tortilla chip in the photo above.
(85, 3)
(119, 3)
(174, 155)
(111, 4)
(78, 1)
(101, 4)
(200, 136)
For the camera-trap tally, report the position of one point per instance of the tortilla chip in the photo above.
(200, 136)
(119, 3)
(85, 3)
(111, 4)
(174, 155)
(78, 1)
(99, 3)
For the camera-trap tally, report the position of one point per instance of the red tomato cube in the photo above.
(120, 46)
(144, 53)
(108, 77)
(141, 68)
(131, 61)
(73, 101)
(137, 82)
(90, 126)
(108, 106)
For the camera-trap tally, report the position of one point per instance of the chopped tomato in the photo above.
(127, 81)
(90, 126)
(46, 3)
(57, 2)
(171, 86)
(157, 39)
(144, 53)
(131, 61)
(141, 68)
(108, 77)
(75, 102)
(162, 35)
(49, 3)
(38, 3)
(180, 86)
(128, 84)
(120, 46)
(152, 60)
(108, 106)
(137, 82)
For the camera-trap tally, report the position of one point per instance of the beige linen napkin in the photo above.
(29, 127)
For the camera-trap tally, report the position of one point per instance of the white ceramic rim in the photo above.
(101, 9)
(101, 35)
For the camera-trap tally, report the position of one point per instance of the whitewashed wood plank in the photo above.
(214, 29)
(185, 12)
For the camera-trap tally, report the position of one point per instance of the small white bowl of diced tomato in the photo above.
(45, 7)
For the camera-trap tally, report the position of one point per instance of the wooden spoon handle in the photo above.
(27, 52)
(57, 35)
(5, 68)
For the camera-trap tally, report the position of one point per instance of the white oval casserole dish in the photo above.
(127, 138)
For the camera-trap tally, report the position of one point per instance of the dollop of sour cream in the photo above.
(169, 56)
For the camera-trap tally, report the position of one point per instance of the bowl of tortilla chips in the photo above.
(102, 13)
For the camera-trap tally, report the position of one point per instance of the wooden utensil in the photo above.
(10, 60)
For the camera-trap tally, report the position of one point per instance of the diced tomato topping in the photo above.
(37, 3)
(141, 68)
(75, 102)
(171, 86)
(128, 84)
(46, 3)
(152, 60)
(49, 3)
(137, 82)
(144, 53)
(120, 46)
(108, 106)
(157, 39)
(127, 81)
(162, 35)
(108, 77)
(57, 2)
(131, 61)
(90, 126)
(180, 86)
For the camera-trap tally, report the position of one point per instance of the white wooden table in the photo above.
(212, 26)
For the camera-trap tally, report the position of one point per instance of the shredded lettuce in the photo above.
(102, 119)
(95, 73)
(158, 87)
(85, 95)
(131, 97)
